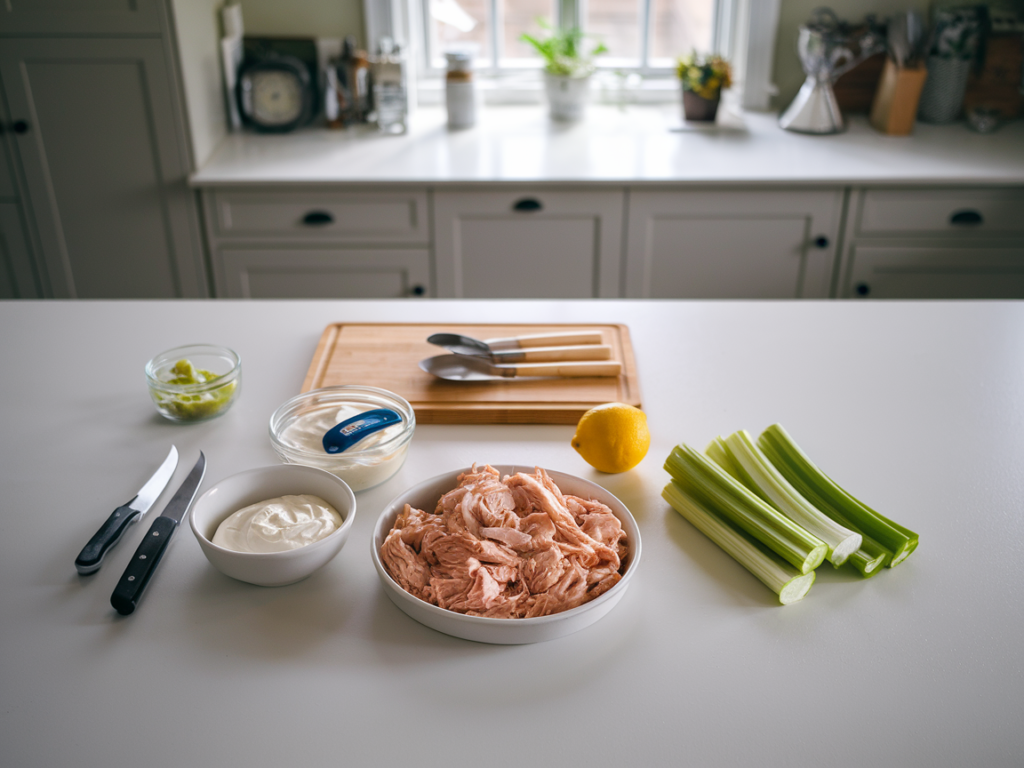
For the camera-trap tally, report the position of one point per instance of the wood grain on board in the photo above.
(387, 355)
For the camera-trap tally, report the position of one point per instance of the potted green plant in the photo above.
(703, 79)
(567, 69)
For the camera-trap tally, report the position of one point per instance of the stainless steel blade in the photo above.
(182, 499)
(151, 491)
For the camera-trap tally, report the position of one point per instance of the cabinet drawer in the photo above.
(321, 273)
(969, 213)
(321, 215)
(935, 272)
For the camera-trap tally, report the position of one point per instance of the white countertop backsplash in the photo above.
(636, 145)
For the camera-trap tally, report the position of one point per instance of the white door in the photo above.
(528, 244)
(98, 133)
(718, 244)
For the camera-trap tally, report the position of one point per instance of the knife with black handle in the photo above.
(140, 569)
(91, 556)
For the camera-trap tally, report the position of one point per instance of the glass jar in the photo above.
(460, 91)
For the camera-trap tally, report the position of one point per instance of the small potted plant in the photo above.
(703, 78)
(567, 69)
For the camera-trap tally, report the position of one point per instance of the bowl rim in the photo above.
(387, 446)
(210, 349)
(491, 621)
(346, 522)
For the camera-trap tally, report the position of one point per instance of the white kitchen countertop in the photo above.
(916, 408)
(638, 145)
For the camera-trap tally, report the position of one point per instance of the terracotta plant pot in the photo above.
(698, 109)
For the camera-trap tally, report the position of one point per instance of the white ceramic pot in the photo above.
(567, 96)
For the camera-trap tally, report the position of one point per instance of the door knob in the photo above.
(862, 289)
(20, 126)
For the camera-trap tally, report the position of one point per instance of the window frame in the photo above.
(743, 30)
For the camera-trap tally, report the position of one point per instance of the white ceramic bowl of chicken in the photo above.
(509, 631)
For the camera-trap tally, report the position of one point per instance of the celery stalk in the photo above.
(826, 495)
(778, 575)
(870, 558)
(715, 488)
(752, 468)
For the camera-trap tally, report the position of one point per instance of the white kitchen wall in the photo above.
(321, 18)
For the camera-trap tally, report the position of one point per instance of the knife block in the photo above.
(894, 109)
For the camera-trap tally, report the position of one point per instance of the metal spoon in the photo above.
(474, 368)
(467, 345)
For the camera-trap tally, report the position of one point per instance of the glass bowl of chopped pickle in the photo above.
(194, 383)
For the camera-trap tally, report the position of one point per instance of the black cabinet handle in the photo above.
(317, 219)
(966, 218)
(862, 289)
(821, 242)
(20, 126)
(418, 290)
(527, 205)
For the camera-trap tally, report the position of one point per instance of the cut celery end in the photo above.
(715, 488)
(775, 573)
(830, 498)
(752, 468)
(866, 564)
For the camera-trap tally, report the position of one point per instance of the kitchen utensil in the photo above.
(91, 556)
(485, 629)
(828, 48)
(897, 39)
(553, 354)
(386, 356)
(466, 345)
(271, 569)
(343, 436)
(136, 576)
(472, 368)
(298, 426)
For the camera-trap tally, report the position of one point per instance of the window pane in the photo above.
(678, 26)
(458, 22)
(616, 23)
(521, 16)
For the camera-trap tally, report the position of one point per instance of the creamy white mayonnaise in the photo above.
(278, 525)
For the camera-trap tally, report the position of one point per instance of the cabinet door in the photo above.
(105, 166)
(530, 244)
(321, 273)
(935, 272)
(17, 273)
(731, 245)
(80, 17)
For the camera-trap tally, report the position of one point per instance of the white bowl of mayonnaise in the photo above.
(274, 526)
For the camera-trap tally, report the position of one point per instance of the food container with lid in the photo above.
(194, 383)
(298, 426)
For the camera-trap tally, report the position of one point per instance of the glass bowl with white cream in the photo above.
(298, 427)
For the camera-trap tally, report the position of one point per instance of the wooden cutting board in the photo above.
(387, 355)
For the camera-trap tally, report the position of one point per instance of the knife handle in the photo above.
(560, 339)
(145, 560)
(554, 354)
(609, 368)
(91, 556)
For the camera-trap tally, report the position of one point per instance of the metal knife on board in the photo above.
(91, 556)
(136, 576)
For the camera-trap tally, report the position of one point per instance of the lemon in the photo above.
(612, 437)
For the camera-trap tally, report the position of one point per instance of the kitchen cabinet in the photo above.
(540, 242)
(711, 244)
(18, 279)
(935, 243)
(102, 148)
(319, 242)
(81, 17)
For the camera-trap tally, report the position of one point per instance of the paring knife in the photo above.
(146, 558)
(91, 556)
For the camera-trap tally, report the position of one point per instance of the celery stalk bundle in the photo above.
(777, 514)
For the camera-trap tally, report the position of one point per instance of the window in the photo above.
(641, 35)
(644, 38)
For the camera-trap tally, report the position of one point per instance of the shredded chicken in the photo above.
(512, 547)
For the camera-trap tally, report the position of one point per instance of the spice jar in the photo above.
(460, 92)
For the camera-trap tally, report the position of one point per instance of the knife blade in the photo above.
(91, 556)
(136, 576)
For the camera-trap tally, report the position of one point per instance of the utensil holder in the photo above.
(899, 91)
